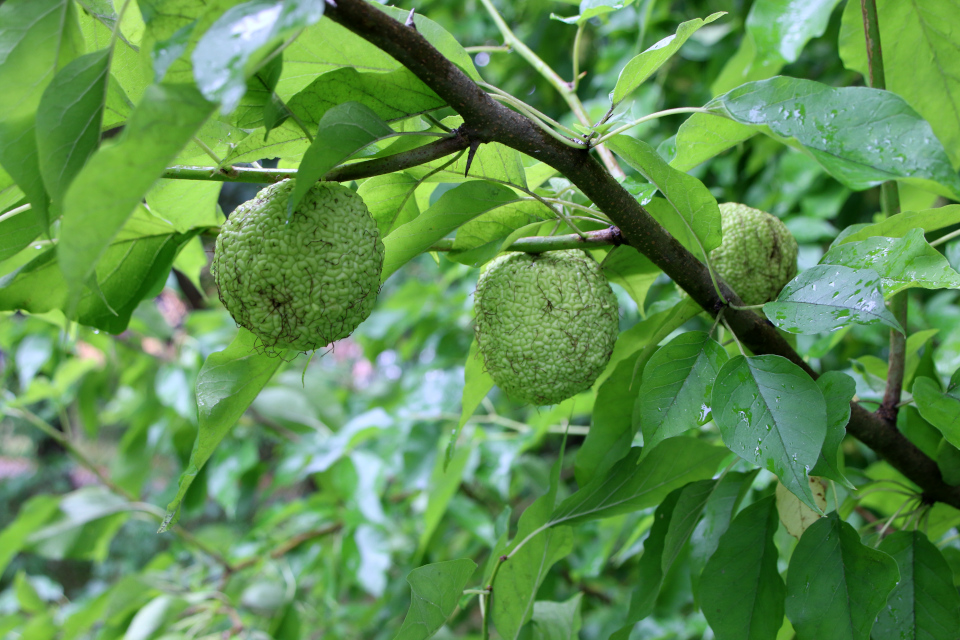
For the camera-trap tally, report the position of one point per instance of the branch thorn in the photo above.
(474, 145)
(410, 23)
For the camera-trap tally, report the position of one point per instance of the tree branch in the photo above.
(343, 173)
(488, 121)
(890, 205)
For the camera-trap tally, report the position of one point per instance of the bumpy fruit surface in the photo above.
(546, 324)
(758, 256)
(303, 283)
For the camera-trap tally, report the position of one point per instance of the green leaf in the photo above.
(925, 603)
(651, 570)
(860, 136)
(835, 585)
(838, 390)
(696, 222)
(435, 593)
(392, 96)
(717, 514)
(223, 54)
(30, 601)
(630, 486)
(343, 131)
(68, 121)
(776, 33)
(673, 523)
(645, 64)
(631, 270)
(772, 414)
(454, 208)
(480, 240)
(477, 384)
(741, 591)
(537, 546)
(938, 408)
(37, 37)
(611, 430)
(828, 297)
(135, 264)
(390, 199)
(557, 620)
(33, 514)
(901, 262)
(920, 32)
(17, 231)
(441, 39)
(186, 204)
(901, 224)
(677, 385)
(116, 178)
(948, 461)
(228, 382)
(703, 136)
(444, 484)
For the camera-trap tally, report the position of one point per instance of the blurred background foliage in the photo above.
(330, 490)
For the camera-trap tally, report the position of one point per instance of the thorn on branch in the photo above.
(410, 23)
(474, 145)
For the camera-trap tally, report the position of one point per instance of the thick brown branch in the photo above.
(488, 121)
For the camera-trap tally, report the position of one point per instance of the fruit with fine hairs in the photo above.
(758, 256)
(546, 324)
(303, 282)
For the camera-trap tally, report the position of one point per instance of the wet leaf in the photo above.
(772, 414)
(860, 136)
(830, 297)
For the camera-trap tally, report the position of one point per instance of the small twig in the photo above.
(488, 49)
(15, 211)
(735, 338)
(945, 239)
(647, 118)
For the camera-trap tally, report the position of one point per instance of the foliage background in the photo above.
(330, 490)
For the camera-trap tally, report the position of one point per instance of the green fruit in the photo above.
(546, 324)
(758, 255)
(303, 283)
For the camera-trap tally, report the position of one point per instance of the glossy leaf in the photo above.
(228, 382)
(741, 591)
(645, 64)
(630, 486)
(704, 136)
(938, 408)
(925, 603)
(435, 593)
(901, 224)
(776, 33)
(835, 584)
(343, 131)
(861, 136)
(838, 390)
(829, 297)
(677, 385)
(901, 262)
(921, 32)
(454, 208)
(112, 183)
(772, 414)
(697, 216)
(37, 38)
(223, 53)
